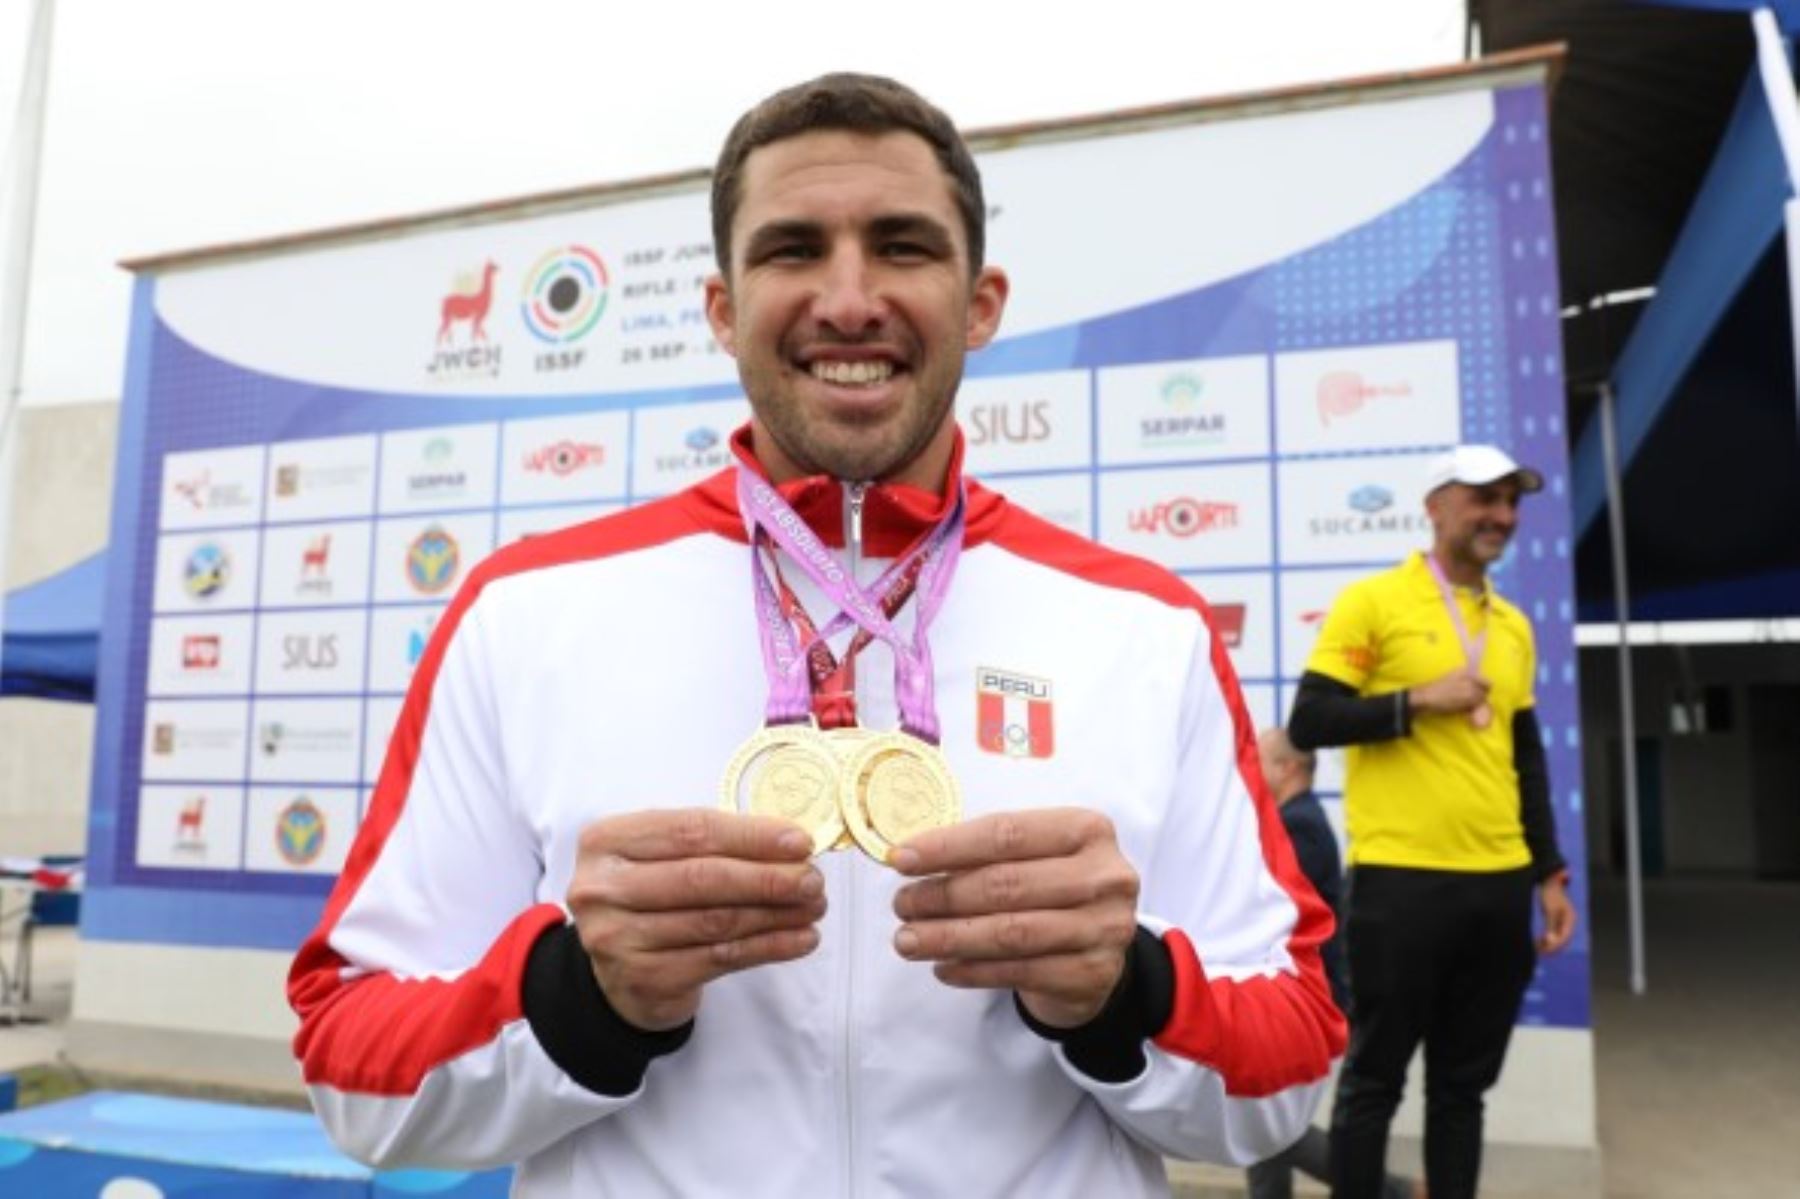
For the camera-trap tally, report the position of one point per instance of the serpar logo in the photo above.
(1185, 517)
(565, 458)
(1345, 393)
(207, 571)
(432, 560)
(440, 478)
(1013, 714)
(300, 832)
(466, 305)
(1182, 424)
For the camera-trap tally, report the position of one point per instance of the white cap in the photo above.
(1477, 465)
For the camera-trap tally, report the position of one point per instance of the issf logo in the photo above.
(565, 294)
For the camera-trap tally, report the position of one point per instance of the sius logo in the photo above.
(1185, 517)
(1019, 424)
(302, 651)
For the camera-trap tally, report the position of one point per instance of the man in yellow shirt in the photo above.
(1426, 674)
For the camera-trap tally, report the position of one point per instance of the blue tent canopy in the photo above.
(52, 642)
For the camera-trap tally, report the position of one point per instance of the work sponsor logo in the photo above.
(564, 297)
(1014, 714)
(1016, 423)
(300, 829)
(564, 458)
(1184, 517)
(201, 652)
(207, 571)
(1368, 511)
(462, 349)
(1185, 420)
(432, 561)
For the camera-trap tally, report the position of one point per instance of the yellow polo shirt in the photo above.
(1445, 797)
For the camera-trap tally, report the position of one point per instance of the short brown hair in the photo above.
(857, 104)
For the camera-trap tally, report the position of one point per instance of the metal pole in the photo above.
(15, 286)
(1615, 507)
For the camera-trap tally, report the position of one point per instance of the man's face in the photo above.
(849, 306)
(1473, 523)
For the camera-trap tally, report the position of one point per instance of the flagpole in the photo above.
(24, 156)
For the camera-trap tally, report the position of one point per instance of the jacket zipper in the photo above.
(853, 501)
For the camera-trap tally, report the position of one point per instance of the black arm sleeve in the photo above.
(1534, 795)
(1110, 1047)
(1327, 712)
(578, 1028)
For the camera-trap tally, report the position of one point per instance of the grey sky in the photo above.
(177, 123)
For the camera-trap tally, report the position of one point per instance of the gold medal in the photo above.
(788, 771)
(894, 787)
(844, 742)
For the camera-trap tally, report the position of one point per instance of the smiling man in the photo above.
(995, 900)
(1426, 673)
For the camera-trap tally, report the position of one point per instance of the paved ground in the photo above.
(1699, 1081)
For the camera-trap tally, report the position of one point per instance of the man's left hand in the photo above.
(1559, 915)
(1039, 901)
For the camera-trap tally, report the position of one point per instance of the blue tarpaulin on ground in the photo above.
(52, 642)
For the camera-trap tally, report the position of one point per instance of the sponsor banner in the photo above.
(1177, 411)
(1026, 422)
(1259, 701)
(1243, 608)
(560, 458)
(516, 524)
(1063, 500)
(191, 828)
(427, 558)
(1306, 596)
(306, 740)
(310, 652)
(205, 489)
(1365, 509)
(397, 640)
(322, 478)
(299, 831)
(307, 566)
(379, 719)
(682, 444)
(1368, 398)
(1193, 518)
(206, 572)
(433, 470)
(195, 739)
(199, 655)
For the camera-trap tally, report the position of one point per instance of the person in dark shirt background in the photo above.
(1289, 772)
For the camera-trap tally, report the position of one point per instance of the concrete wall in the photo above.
(61, 506)
(1729, 798)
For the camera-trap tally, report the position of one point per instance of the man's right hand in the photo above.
(1458, 691)
(667, 901)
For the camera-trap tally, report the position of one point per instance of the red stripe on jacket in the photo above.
(1261, 1034)
(380, 1034)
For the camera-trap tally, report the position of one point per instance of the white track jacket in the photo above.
(449, 1018)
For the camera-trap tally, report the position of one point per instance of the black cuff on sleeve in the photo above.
(1110, 1047)
(580, 1031)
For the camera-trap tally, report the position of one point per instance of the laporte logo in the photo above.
(565, 457)
(1185, 517)
(1345, 393)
